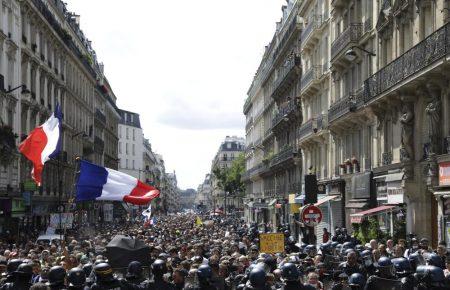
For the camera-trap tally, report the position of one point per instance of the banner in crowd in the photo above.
(66, 220)
(271, 243)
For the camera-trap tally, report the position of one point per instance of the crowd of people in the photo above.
(222, 255)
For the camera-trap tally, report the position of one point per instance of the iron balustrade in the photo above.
(309, 76)
(284, 111)
(431, 49)
(349, 103)
(285, 154)
(313, 24)
(306, 129)
(283, 72)
(351, 34)
(100, 116)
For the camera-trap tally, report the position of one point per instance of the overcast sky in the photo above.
(184, 66)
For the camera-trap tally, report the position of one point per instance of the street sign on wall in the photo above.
(271, 243)
(311, 215)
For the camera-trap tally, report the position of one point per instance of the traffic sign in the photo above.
(311, 215)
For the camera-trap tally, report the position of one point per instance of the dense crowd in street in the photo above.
(224, 255)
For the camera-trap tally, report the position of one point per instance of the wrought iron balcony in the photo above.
(313, 24)
(430, 50)
(386, 158)
(258, 169)
(306, 129)
(348, 104)
(349, 36)
(286, 73)
(285, 154)
(292, 29)
(284, 112)
(100, 116)
(310, 77)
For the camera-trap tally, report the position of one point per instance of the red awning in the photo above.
(325, 199)
(373, 210)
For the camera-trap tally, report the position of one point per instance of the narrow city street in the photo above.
(225, 145)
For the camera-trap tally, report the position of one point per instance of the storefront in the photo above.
(442, 195)
(361, 195)
(336, 206)
(324, 203)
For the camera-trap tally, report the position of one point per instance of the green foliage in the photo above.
(268, 157)
(229, 179)
(369, 229)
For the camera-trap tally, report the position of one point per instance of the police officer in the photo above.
(367, 262)
(11, 267)
(104, 278)
(135, 274)
(430, 277)
(356, 281)
(291, 276)
(351, 265)
(404, 271)
(257, 279)
(159, 268)
(384, 276)
(22, 278)
(90, 275)
(56, 277)
(76, 279)
(204, 274)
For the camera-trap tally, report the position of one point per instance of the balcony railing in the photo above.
(306, 129)
(350, 34)
(309, 76)
(293, 27)
(349, 103)
(285, 154)
(284, 111)
(283, 72)
(100, 116)
(431, 49)
(258, 169)
(313, 24)
(249, 124)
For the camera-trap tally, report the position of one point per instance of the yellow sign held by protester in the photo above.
(271, 243)
(198, 222)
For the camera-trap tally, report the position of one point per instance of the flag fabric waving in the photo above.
(43, 143)
(100, 183)
(148, 212)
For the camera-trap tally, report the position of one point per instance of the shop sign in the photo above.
(311, 215)
(361, 185)
(444, 173)
(271, 243)
(356, 219)
(395, 195)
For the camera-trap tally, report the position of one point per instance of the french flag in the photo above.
(100, 183)
(43, 143)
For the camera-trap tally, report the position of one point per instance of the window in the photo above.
(126, 163)
(133, 164)
(133, 150)
(134, 135)
(229, 145)
(126, 148)
(131, 118)
(128, 133)
(120, 147)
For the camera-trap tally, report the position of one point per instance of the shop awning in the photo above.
(394, 177)
(357, 204)
(325, 199)
(272, 202)
(373, 210)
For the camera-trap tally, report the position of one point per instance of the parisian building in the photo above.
(47, 59)
(203, 199)
(373, 113)
(228, 151)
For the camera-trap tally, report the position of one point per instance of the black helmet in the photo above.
(134, 270)
(87, 268)
(159, 268)
(311, 250)
(76, 277)
(416, 259)
(385, 267)
(402, 266)
(325, 248)
(357, 279)
(257, 277)
(56, 275)
(204, 272)
(430, 274)
(289, 272)
(24, 271)
(433, 259)
(103, 272)
(13, 265)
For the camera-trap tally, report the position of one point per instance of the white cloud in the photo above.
(185, 66)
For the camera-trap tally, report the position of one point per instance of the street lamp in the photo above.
(351, 54)
(25, 91)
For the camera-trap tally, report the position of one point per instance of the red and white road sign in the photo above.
(311, 215)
